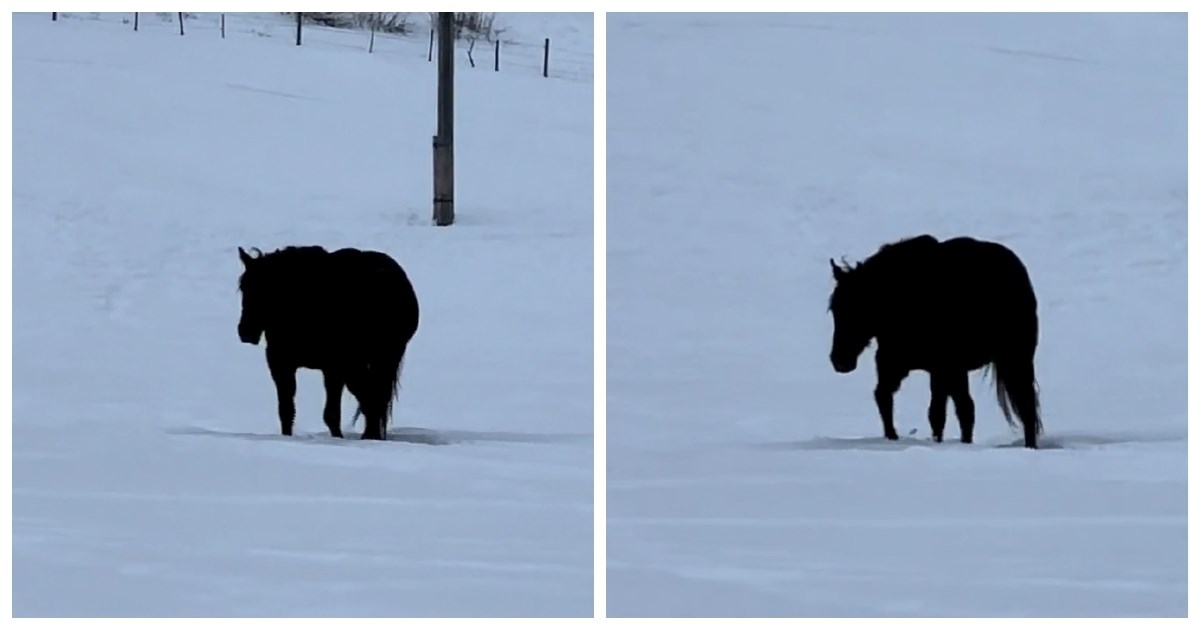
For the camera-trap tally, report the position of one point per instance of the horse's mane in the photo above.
(297, 256)
(887, 257)
(904, 247)
(298, 253)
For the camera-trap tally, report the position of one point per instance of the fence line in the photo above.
(513, 56)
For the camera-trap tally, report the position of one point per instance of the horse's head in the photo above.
(853, 317)
(255, 288)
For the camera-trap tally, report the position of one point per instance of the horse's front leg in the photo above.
(284, 374)
(888, 382)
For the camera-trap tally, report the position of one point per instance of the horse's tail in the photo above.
(394, 328)
(1017, 393)
(1001, 394)
(1013, 365)
(390, 370)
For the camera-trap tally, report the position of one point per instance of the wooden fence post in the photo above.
(181, 24)
(430, 44)
(54, 17)
(497, 55)
(546, 60)
(222, 26)
(135, 21)
(299, 21)
(443, 149)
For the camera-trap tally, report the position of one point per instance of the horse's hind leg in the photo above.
(959, 389)
(937, 404)
(368, 402)
(1021, 385)
(373, 416)
(333, 403)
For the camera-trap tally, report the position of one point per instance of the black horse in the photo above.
(349, 313)
(947, 308)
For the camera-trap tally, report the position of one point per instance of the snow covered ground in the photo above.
(745, 477)
(148, 476)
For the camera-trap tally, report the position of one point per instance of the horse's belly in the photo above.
(315, 351)
(929, 350)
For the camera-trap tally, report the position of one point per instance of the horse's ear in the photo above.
(246, 259)
(838, 272)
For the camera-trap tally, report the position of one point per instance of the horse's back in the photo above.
(990, 267)
(366, 260)
(987, 284)
(380, 283)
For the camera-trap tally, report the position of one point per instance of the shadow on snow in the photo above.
(1048, 442)
(407, 435)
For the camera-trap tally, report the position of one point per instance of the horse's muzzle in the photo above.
(843, 366)
(251, 338)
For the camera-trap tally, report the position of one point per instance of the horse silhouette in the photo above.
(945, 307)
(349, 313)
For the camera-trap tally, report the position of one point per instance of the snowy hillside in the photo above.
(522, 36)
(148, 476)
(746, 477)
